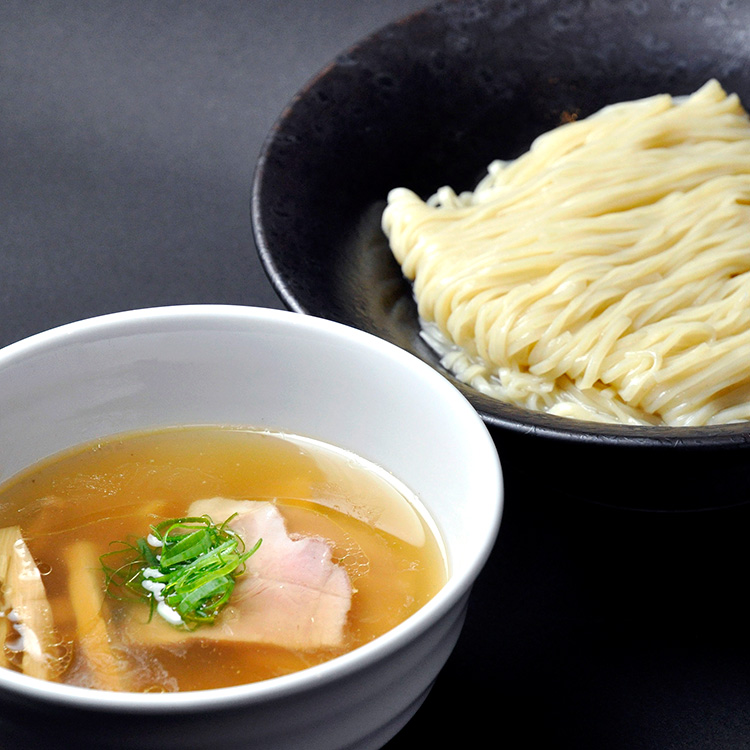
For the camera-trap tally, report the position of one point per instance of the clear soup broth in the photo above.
(68, 511)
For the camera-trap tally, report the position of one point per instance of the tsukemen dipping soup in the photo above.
(201, 557)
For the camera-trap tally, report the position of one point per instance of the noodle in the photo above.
(603, 275)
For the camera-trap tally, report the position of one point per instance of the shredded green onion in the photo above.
(188, 565)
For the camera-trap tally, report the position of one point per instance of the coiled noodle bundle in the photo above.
(603, 275)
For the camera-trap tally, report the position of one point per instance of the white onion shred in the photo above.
(169, 614)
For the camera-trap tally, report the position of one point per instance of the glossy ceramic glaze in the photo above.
(431, 100)
(261, 368)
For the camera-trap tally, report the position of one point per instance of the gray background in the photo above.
(128, 136)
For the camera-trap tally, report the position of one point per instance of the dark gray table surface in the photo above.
(128, 137)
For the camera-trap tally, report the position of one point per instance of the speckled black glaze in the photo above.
(431, 100)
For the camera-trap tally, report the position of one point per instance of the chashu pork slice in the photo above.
(291, 594)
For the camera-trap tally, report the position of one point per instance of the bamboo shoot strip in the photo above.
(86, 589)
(4, 622)
(26, 605)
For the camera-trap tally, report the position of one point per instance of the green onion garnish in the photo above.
(185, 569)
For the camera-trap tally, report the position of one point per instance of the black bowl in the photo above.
(431, 100)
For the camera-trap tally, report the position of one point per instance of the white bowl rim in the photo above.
(287, 685)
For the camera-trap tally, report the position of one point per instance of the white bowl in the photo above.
(218, 364)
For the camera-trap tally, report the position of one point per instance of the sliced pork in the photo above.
(292, 594)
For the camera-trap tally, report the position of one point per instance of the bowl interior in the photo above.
(431, 100)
